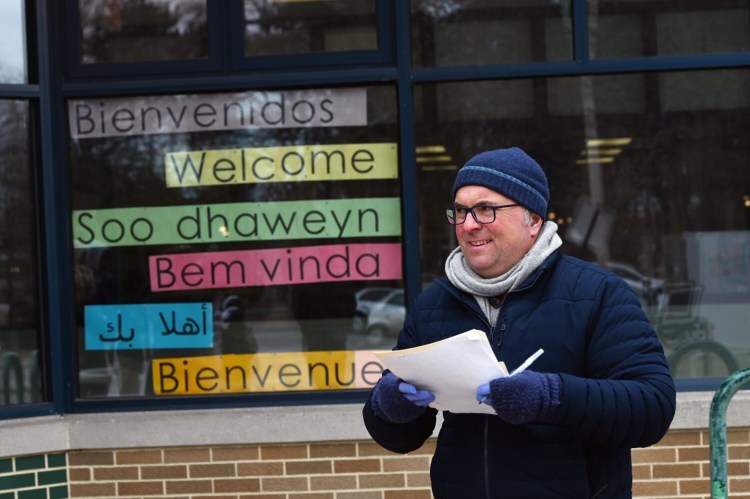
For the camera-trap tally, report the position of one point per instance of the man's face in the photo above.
(493, 249)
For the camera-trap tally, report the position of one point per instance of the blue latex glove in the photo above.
(397, 401)
(422, 398)
(525, 397)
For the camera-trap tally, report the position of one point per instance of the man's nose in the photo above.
(471, 223)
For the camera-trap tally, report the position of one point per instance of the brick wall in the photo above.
(677, 467)
(34, 477)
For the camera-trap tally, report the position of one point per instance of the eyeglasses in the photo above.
(483, 214)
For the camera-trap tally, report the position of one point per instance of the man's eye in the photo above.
(484, 210)
(460, 210)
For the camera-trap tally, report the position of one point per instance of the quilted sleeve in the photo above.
(405, 437)
(627, 397)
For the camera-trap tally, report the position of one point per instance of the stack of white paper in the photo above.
(451, 369)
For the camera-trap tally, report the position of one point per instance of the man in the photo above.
(565, 426)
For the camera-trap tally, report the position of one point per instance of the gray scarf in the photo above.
(464, 278)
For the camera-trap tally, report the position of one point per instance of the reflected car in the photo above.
(385, 311)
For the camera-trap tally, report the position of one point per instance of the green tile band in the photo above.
(52, 477)
(56, 460)
(30, 463)
(17, 481)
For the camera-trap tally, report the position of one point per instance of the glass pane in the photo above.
(20, 378)
(247, 224)
(475, 32)
(278, 27)
(13, 48)
(648, 176)
(626, 28)
(115, 31)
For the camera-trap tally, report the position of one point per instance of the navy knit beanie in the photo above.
(512, 173)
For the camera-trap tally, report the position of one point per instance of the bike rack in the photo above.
(718, 430)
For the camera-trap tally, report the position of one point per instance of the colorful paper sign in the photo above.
(276, 266)
(303, 163)
(265, 372)
(143, 115)
(232, 222)
(148, 326)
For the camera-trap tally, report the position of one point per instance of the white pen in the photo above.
(527, 363)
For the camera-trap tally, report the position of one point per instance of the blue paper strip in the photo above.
(149, 326)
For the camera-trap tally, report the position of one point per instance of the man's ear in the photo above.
(536, 224)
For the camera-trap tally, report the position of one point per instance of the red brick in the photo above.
(272, 452)
(212, 470)
(382, 480)
(187, 455)
(407, 494)
(333, 450)
(189, 487)
(260, 469)
(240, 485)
(691, 470)
(238, 453)
(139, 457)
(163, 472)
(284, 484)
(333, 482)
(92, 489)
(140, 488)
(115, 473)
(356, 465)
(308, 467)
(91, 458)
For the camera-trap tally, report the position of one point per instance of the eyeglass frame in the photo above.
(473, 214)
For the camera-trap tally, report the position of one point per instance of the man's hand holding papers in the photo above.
(450, 369)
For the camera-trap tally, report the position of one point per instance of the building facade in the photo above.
(214, 212)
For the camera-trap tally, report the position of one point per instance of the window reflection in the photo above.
(279, 27)
(13, 48)
(20, 379)
(635, 28)
(142, 30)
(267, 210)
(475, 32)
(648, 176)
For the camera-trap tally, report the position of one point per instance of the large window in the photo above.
(676, 27)
(13, 48)
(142, 30)
(290, 27)
(648, 176)
(228, 204)
(476, 32)
(20, 353)
(223, 241)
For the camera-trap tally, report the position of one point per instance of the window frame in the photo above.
(53, 48)
(226, 49)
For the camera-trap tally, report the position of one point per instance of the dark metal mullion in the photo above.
(218, 16)
(597, 66)
(218, 83)
(385, 32)
(409, 206)
(58, 273)
(580, 31)
(18, 91)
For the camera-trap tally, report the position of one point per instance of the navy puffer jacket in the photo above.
(617, 392)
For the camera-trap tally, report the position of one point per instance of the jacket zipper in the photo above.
(487, 417)
(503, 326)
(486, 457)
